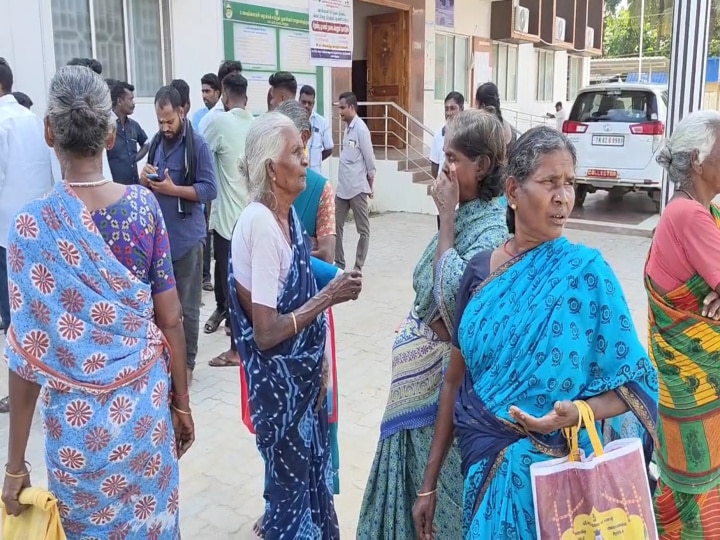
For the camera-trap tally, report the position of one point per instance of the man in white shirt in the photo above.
(454, 104)
(26, 173)
(226, 68)
(321, 141)
(560, 115)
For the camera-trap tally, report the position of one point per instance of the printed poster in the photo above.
(445, 13)
(331, 33)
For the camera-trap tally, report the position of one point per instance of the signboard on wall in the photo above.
(267, 40)
(331, 32)
(445, 13)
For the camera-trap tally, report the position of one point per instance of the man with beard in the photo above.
(181, 173)
(210, 96)
(130, 139)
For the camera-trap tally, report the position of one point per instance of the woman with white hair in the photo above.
(97, 333)
(682, 279)
(279, 327)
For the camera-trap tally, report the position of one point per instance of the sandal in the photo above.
(5, 404)
(213, 323)
(223, 360)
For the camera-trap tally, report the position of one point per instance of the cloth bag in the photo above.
(604, 496)
(39, 522)
(332, 396)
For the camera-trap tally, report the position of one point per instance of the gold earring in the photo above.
(513, 206)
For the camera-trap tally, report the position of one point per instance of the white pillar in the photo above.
(688, 58)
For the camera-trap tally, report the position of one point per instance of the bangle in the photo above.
(20, 475)
(180, 410)
(426, 493)
(294, 321)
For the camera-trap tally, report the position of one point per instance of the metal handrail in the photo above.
(413, 150)
(526, 118)
(398, 108)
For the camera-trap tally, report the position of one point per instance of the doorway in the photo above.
(381, 69)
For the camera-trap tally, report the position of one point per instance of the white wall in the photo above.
(472, 18)
(26, 43)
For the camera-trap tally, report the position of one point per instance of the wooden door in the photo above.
(388, 42)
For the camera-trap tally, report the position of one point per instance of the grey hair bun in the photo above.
(665, 157)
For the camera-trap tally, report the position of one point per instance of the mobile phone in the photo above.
(154, 177)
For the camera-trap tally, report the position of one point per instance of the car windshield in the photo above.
(615, 106)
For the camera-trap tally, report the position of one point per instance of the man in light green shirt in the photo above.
(226, 135)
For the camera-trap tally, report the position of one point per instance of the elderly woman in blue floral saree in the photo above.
(540, 322)
(474, 177)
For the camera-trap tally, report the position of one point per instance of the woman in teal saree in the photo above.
(473, 176)
(540, 322)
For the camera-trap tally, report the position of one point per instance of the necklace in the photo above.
(507, 251)
(286, 234)
(686, 192)
(89, 184)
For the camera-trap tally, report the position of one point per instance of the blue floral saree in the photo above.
(284, 387)
(550, 325)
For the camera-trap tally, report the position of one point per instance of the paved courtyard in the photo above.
(222, 477)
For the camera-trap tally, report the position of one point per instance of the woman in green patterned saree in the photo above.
(473, 176)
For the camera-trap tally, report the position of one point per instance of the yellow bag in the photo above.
(39, 522)
(605, 495)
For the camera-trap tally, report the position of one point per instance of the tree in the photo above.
(611, 7)
(622, 32)
(622, 37)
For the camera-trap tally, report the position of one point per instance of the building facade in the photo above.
(410, 52)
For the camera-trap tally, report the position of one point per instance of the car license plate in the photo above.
(608, 140)
(601, 173)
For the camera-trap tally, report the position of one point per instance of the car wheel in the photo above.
(581, 191)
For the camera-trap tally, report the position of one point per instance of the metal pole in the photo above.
(688, 59)
(642, 39)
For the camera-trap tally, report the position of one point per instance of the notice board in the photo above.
(267, 40)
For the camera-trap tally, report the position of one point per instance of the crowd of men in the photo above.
(191, 167)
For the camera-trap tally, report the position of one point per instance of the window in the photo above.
(505, 71)
(545, 61)
(129, 37)
(574, 77)
(452, 64)
(629, 106)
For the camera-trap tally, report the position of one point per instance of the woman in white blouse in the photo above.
(279, 327)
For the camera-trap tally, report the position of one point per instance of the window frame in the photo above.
(165, 20)
(504, 84)
(544, 85)
(448, 82)
(578, 70)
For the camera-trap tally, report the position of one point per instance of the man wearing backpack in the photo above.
(181, 173)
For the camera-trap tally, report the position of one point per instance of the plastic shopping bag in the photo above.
(605, 496)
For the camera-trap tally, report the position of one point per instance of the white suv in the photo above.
(617, 130)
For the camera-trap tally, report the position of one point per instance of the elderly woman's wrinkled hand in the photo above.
(446, 190)
(711, 306)
(564, 414)
(345, 287)
(11, 493)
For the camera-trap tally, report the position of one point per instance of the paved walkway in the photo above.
(221, 476)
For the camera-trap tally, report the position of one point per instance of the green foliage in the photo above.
(622, 28)
(622, 37)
